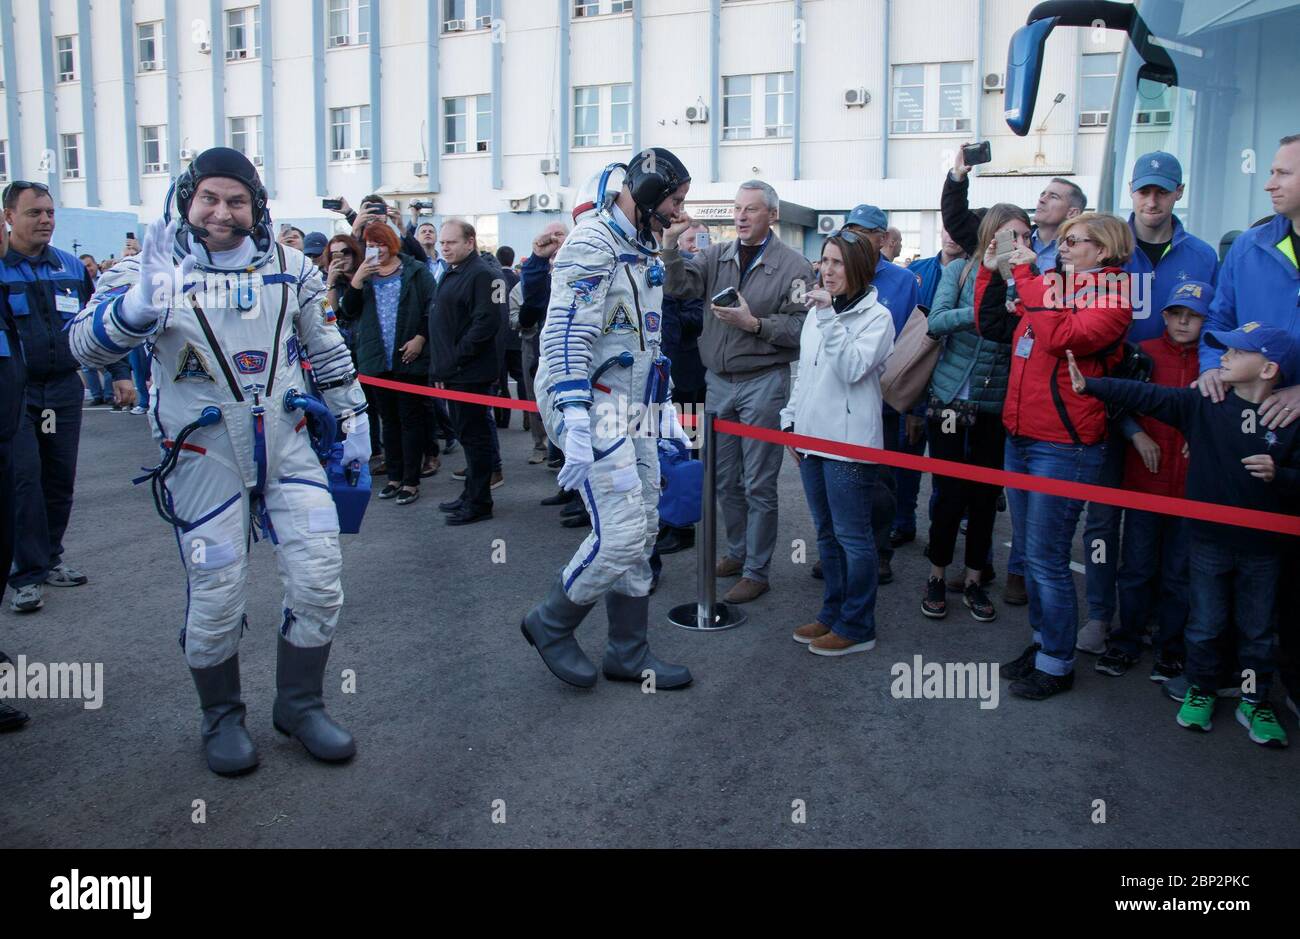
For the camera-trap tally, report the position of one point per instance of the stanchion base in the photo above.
(725, 616)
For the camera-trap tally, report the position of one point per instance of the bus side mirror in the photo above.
(1024, 69)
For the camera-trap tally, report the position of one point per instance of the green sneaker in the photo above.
(1197, 709)
(1259, 719)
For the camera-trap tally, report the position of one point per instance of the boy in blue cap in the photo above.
(1235, 460)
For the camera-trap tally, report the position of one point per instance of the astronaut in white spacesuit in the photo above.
(232, 321)
(601, 370)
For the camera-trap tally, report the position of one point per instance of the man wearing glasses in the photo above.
(46, 288)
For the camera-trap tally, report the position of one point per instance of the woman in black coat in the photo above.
(389, 301)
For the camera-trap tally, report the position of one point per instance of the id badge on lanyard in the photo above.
(1025, 344)
(67, 302)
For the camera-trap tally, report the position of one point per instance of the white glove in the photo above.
(357, 444)
(160, 279)
(670, 425)
(577, 447)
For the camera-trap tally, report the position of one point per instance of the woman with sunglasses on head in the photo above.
(965, 415)
(1052, 431)
(389, 298)
(846, 338)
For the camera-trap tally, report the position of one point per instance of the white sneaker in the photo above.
(27, 599)
(139, 410)
(1092, 637)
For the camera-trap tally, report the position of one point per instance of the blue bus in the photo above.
(1210, 81)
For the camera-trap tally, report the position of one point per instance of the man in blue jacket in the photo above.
(13, 383)
(929, 271)
(1164, 256)
(1260, 281)
(46, 288)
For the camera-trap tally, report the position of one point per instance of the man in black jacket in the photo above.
(466, 345)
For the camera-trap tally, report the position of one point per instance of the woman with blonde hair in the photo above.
(1053, 431)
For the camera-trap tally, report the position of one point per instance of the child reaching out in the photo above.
(1235, 460)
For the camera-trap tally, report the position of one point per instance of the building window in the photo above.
(71, 144)
(246, 137)
(1153, 109)
(461, 15)
(4, 161)
(348, 23)
(1097, 86)
(602, 115)
(66, 58)
(457, 115)
(350, 133)
(243, 33)
(153, 149)
(931, 98)
(738, 94)
(598, 7)
(149, 46)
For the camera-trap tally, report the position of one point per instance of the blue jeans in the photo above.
(1230, 585)
(908, 481)
(139, 360)
(839, 497)
(1153, 568)
(98, 388)
(1045, 526)
(1102, 523)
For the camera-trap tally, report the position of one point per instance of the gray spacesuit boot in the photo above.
(549, 628)
(229, 748)
(628, 653)
(299, 710)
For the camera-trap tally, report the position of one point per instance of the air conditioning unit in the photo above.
(826, 224)
(186, 154)
(232, 54)
(856, 98)
(453, 26)
(524, 204)
(205, 47)
(72, 174)
(147, 66)
(994, 81)
(1147, 118)
(1093, 118)
(484, 22)
(550, 166)
(343, 155)
(361, 153)
(338, 40)
(548, 202)
(697, 114)
(155, 167)
(420, 168)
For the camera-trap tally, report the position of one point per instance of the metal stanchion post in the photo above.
(706, 614)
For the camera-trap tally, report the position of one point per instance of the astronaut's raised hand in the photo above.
(577, 447)
(670, 425)
(161, 281)
(356, 446)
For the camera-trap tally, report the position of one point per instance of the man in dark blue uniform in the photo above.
(45, 288)
(13, 379)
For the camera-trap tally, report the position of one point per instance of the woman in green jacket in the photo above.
(965, 415)
(389, 300)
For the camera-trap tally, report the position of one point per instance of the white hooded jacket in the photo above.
(836, 394)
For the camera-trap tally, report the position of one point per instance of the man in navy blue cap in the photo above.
(899, 291)
(314, 247)
(1165, 256)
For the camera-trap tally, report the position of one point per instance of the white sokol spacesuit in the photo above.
(239, 350)
(600, 365)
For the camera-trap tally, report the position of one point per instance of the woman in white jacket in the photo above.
(836, 396)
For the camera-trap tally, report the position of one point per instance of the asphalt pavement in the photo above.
(465, 739)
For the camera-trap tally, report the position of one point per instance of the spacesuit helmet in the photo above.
(652, 176)
(599, 192)
(228, 164)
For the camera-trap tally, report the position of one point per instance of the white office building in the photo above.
(497, 110)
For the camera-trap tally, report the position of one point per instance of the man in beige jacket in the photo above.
(747, 349)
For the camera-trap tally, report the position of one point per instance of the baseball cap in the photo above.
(868, 217)
(314, 244)
(1274, 344)
(1193, 294)
(1157, 168)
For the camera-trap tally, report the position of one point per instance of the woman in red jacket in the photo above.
(1053, 432)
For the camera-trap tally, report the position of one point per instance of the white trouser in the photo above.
(621, 494)
(210, 495)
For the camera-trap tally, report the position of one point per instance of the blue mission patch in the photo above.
(584, 289)
(250, 362)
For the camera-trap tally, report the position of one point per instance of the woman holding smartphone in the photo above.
(389, 300)
(845, 341)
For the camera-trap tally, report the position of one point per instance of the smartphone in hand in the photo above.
(728, 297)
(1006, 245)
(372, 253)
(976, 153)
